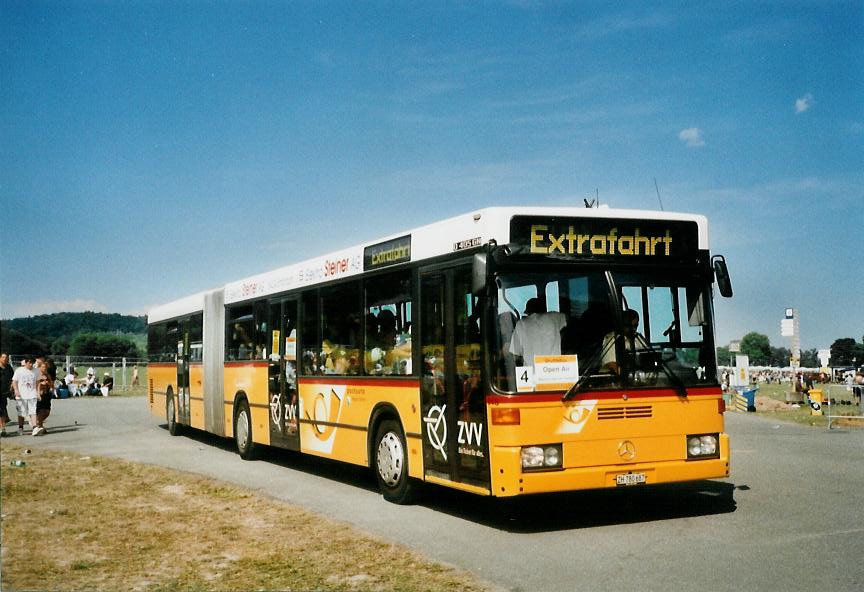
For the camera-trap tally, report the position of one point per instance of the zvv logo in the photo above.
(436, 429)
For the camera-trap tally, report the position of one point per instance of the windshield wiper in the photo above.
(670, 374)
(593, 363)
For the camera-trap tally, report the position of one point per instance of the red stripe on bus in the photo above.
(351, 381)
(245, 363)
(172, 364)
(652, 394)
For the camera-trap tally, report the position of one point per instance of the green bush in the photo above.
(106, 345)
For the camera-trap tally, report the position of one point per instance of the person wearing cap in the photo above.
(90, 384)
(26, 396)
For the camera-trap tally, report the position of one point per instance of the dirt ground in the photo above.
(764, 403)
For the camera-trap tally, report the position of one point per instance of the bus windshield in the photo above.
(603, 330)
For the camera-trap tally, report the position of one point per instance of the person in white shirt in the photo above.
(538, 333)
(632, 340)
(26, 396)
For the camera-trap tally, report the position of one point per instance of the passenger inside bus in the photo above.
(538, 333)
(245, 345)
(388, 351)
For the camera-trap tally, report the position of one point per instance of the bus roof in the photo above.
(461, 232)
(179, 308)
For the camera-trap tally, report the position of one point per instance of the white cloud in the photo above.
(692, 136)
(804, 103)
(618, 24)
(16, 310)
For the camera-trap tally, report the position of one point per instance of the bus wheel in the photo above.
(391, 463)
(174, 428)
(243, 431)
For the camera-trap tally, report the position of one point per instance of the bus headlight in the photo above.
(702, 446)
(539, 458)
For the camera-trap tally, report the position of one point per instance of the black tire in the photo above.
(243, 431)
(390, 463)
(174, 428)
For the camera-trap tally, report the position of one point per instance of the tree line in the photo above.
(844, 352)
(92, 334)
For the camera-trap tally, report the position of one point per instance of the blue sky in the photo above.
(150, 150)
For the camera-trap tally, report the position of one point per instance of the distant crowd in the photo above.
(34, 384)
(800, 381)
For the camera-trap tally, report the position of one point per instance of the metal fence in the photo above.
(853, 393)
(123, 371)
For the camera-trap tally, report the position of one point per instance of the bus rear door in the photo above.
(282, 374)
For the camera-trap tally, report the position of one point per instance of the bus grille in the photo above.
(624, 412)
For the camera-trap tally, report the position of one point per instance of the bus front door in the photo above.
(183, 376)
(455, 442)
(282, 375)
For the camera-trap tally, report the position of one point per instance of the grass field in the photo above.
(802, 415)
(72, 522)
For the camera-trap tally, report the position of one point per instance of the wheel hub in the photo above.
(242, 430)
(390, 459)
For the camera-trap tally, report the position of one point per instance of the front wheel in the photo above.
(391, 463)
(243, 431)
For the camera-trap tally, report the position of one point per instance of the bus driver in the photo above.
(633, 340)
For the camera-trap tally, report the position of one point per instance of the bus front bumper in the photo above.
(508, 478)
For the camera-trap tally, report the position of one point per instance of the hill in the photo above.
(55, 334)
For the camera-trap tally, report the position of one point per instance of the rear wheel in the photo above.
(391, 463)
(243, 431)
(174, 428)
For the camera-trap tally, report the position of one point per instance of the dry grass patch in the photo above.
(87, 523)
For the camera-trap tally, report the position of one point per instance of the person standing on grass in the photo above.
(135, 375)
(26, 395)
(6, 373)
(45, 392)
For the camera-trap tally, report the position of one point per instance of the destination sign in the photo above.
(397, 250)
(604, 238)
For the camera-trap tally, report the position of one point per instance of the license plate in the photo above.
(630, 479)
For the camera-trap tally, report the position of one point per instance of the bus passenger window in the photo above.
(388, 325)
(196, 338)
(310, 335)
(261, 331)
(340, 315)
(239, 344)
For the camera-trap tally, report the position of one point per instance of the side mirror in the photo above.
(721, 272)
(478, 275)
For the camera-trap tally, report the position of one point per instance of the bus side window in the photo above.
(196, 338)
(341, 329)
(239, 334)
(310, 335)
(387, 322)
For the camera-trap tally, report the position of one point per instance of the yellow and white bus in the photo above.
(497, 352)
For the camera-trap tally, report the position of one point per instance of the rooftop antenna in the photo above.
(656, 188)
(593, 202)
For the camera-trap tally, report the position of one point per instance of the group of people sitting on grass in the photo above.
(90, 386)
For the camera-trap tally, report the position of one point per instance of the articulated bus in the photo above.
(505, 352)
